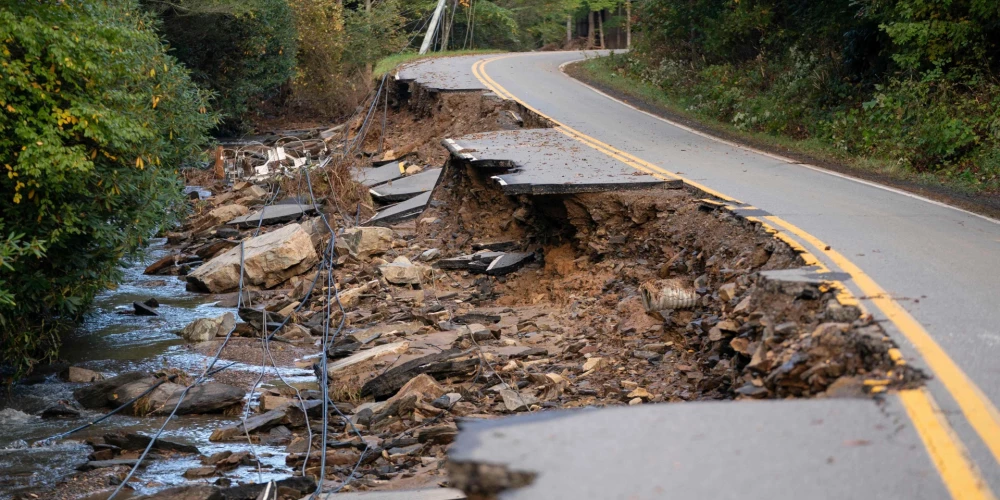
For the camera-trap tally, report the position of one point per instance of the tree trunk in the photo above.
(618, 32)
(590, 30)
(448, 25)
(569, 30)
(600, 26)
(628, 24)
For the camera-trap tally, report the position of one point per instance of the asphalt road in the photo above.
(940, 264)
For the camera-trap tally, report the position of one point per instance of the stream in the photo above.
(112, 340)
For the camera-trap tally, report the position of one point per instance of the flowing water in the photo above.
(112, 340)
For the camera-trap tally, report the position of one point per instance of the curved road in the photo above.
(937, 265)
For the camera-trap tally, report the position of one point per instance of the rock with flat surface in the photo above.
(403, 272)
(516, 401)
(104, 464)
(273, 214)
(260, 422)
(96, 395)
(136, 441)
(188, 492)
(366, 355)
(269, 259)
(143, 309)
(205, 329)
(423, 494)
(79, 375)
(364, 242)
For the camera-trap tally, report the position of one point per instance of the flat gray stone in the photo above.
(774, 450)
(544, 161)
(407, 187)
(273, 214)
(373, 176)
(401, 211)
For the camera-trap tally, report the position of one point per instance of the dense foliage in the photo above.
(96, 119)
(908, 82)
(244, 50)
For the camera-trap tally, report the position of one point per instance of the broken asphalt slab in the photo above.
(373, 176)
(450, 74)
(273, 214)
(774, 450)
(425, 494)
(407, 187)
(401, 211)
(544, 161)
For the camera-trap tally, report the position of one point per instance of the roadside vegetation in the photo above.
(905, 87)
(105, 102)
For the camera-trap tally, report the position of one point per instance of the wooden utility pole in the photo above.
(432, 29)
(449, 24)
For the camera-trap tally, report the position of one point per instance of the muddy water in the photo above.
(112, 341)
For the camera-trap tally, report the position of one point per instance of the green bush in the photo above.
(97, 118)
(244, 51)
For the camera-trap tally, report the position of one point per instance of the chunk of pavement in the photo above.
(104, 464)
(403, 272)
(366, 355)
(509, 262)
(78, 375)
(516, 401)
(446, 401)
(186, 492)
(96, 395)
(136, 441)
(370, 177)
(205, 329)
(400, 212)
(255, 423)
(423, 494)
(269, 259)
(273, 214)
(143, 310)
(363, 242)
(476, 332)
(407, 187)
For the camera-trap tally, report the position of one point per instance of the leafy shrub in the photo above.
(97, 117)
(244, 51)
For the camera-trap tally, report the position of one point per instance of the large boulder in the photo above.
(269, 259)
(217, 216)
(96, 395)
(209, 397)
(205, 329)
(364, 242)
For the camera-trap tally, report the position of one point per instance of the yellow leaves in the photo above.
(202, 110)
(11, 109)
(31, 194)
(10, 172)
(40, 143)
(17, 198)
(139, 163)
(93, 153)
(156, 100)
(152, 72)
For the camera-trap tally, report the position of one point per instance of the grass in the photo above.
(390, 63)
(600, 72)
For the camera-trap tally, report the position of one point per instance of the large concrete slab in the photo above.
(407, 187)
(768, 450)
(273, 214)
(544, 161)
(373, 176)
(442, 73)
(401, 211)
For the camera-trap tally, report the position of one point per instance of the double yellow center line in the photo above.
(958, 472)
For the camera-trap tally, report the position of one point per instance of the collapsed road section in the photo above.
(513, 314)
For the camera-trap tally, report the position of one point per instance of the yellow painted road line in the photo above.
(976, 407)
(959, 475)
(947, 452)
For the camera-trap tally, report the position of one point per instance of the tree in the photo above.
(97, 119)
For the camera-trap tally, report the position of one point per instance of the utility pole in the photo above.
(429, 37)
(449, 24)
(569, 29)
